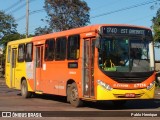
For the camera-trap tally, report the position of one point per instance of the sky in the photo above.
(101, 11)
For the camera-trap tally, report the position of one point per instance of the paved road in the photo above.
(11, 100)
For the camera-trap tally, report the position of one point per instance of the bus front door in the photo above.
(38, 67)
(88, 68)
(13, 64)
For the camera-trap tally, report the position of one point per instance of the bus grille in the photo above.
(129, 80)
(129, 77)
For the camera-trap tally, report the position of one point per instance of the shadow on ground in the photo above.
(107, 105)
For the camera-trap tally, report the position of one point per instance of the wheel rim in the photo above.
(74, 94)
(23, 89)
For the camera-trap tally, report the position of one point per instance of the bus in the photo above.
(100, 62)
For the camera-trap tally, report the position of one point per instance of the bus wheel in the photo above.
(73, 96)
(68, 92)
(119, 102)
(24, 90)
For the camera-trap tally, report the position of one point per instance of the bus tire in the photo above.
(68, 92)
(24, 90)
(73, 96)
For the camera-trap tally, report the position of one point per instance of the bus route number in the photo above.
(111, 30)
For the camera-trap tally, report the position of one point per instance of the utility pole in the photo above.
(27, 17)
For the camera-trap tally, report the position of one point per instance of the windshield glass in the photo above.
(124, 54)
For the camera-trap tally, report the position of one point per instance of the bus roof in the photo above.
(25, 40)
(85, 29)
(73, 31)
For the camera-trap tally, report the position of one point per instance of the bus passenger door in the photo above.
(88, 68)
(38, 67)
(13, 64)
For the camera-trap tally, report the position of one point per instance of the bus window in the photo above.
(9, 54)
(21, 52)
(73, 47)
(29, 52)
(60, 48)
(49, 50)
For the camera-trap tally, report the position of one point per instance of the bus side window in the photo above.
(49, 49)
(60, 53)
(73, 47)
(21, 52)
(29, 52)
(9, 54)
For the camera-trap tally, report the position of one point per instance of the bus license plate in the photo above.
(130, 95)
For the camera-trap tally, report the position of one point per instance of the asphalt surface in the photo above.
(58, 108)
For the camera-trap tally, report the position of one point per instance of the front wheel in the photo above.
(73, 96)
(24, 90)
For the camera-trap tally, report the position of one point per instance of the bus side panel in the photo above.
(15, 71)
(55, 75)
(20, 73)
(8, 67)
(47, 83)
(29, 76)
(7, 76)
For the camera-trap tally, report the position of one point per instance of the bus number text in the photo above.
(111, 30)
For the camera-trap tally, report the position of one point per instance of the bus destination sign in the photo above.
(126, 31)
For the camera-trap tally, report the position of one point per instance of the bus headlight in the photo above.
(150, 85)
(104, 85)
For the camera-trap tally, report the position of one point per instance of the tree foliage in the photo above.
(156, 26)
(7, 24)
(11, 37)
(40, 30)
(8, 38)
(8, 30)
(66, 14)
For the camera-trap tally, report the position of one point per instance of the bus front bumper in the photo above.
(119, 94)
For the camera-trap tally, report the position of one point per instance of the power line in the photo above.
(13, 5)
(36, 11)
(110, 4)
(123, 9)
(19, 7)
(30, 13)
(111, 12)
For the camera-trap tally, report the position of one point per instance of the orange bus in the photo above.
(99, 62)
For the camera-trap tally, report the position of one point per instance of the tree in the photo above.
(7, 24)
(8, 30)
(156, 21)
(66, 14)
(9, 37)
(156, 26)
(41, 31)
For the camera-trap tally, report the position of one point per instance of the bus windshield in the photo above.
(123, 54)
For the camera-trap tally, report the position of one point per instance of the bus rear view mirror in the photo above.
(97, 43)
